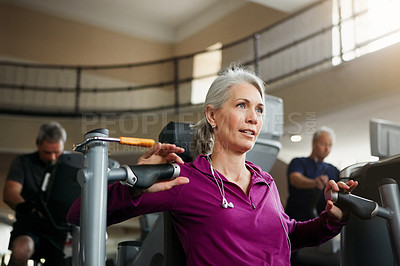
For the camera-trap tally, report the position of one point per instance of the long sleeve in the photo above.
(121, 206)
(315, 231)
(118, 198)
(73, 215)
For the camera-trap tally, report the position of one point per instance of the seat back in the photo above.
(60, 189)
(180, 134)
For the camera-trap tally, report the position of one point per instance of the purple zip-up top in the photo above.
(251, 233)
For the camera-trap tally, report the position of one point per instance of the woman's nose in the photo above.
(252, 117)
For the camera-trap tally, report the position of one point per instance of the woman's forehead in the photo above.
(244, 91)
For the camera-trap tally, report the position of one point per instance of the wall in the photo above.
(370, 76)
(38, 37)
(239, 24)
(33, 36)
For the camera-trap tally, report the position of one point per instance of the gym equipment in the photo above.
(93, 179)
(366, 237)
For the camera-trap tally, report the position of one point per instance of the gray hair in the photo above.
(324, 129)
(218, 94)
(51, 132)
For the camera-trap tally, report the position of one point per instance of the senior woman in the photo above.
(226, 210)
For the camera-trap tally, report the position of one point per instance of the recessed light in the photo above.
(295, 138)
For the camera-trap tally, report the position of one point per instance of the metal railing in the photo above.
(278, 57)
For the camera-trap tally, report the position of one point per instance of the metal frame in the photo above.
(94, 177)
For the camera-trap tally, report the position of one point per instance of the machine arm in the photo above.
(363, 208)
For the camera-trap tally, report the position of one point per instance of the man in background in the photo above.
(307, 177)
(33, 236)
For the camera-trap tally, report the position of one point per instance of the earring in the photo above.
(213, 126)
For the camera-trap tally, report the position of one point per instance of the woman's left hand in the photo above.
(162, 153)
(331, 208)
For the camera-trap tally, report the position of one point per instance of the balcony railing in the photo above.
(304, 43)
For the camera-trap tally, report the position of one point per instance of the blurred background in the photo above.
(132, 66)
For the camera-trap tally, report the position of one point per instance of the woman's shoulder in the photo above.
(199, 166)
(186, 167)
(189, 166)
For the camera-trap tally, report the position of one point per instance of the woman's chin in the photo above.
(247, 148)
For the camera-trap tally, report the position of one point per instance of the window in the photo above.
(363, 26)
(205, 69)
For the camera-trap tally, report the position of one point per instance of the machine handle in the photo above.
(363, 208)
(82, 147)
(148, 143)
(145, 175)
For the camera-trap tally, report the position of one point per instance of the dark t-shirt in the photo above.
(301, 202)
(29, 171)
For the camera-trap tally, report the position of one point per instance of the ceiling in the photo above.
(166, 21)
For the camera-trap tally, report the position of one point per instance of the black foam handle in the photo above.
(148, 174)
(363, 208)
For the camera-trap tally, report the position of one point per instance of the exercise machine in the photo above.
(367, 239)
(93, 179)
(372, 236)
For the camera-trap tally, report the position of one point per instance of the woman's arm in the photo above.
(121, 199)
(324, 227)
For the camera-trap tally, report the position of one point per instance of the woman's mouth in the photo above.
(247, 131)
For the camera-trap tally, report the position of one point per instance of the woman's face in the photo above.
(240, 119)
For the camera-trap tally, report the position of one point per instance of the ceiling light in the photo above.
(295, 138)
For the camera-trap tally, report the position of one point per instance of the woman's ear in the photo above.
(210, 115)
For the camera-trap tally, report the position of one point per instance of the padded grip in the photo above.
(148, 174)
(148, 143)
(363, 208)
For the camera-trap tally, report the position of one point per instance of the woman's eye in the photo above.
(241, 105)
(260, 110)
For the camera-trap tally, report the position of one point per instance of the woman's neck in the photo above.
(232, 166)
